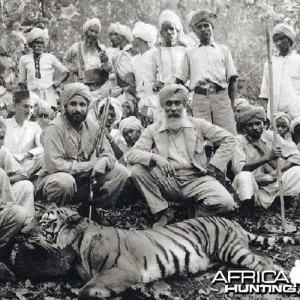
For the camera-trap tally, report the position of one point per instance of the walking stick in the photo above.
(98, 143)
(273, 122)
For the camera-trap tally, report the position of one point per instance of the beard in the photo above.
(75, 118)
(176, 121)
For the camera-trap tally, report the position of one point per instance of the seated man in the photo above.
(23, 138)
(16, 196)
(70, 159)
(169, 160)
(254, 162)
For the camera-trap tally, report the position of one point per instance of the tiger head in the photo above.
(53, 220)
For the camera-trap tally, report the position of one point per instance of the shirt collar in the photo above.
(186, 124)
(212, 43)
(16, 125)
(290, 54)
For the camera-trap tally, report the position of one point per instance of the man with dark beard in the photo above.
(170, 162)
(70, 157)
(88, 60)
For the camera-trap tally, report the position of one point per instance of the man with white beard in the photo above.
(169, 161)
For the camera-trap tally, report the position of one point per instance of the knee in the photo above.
(122, 171)
(63, 182)
(137, 171)
(243, 177)
(27, 186)
(17, 214)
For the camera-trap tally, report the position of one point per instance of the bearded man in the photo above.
(170, 162)
(88, 60)
(70, 160)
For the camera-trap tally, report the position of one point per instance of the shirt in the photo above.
(49, 64)
(286, 84)
(212, 63)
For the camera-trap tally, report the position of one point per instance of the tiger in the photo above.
(111, 260)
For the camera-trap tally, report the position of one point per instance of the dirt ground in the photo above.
(197, 287)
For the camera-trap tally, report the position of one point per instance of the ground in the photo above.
(197, 287)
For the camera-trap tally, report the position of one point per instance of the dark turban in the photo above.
(173, 92)
(250, 113)
(72, 89)
(202, 16)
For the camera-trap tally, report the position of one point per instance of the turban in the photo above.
(111, 28)
(145, 32)
(284, 116)
(250, 113)
(286, 30)
(116, 104)
(44, 107)
(240, 101)
(130, 123)
(72, 89)
(294, 123)
(91, 22)
(202, 16)
(173, 92)
(2, 124)
(124, 31)
(170, 16)
(36, 33)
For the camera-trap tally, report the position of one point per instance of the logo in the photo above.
(260, 282)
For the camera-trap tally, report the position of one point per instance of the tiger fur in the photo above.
(111, 259)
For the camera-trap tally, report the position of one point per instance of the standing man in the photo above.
(70, 160)
(212, 75)
(23, 136)
(169, 160)
(37, 69)
(286, 74)
(88, 60)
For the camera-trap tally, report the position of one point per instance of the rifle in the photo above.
(98, 143)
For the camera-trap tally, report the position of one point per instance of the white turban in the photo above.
(131, 122)
(91, 22)
(116, 104)
(112, 27)
(240, 101)
(286, 30)
(145, 32)
(124, 31)
(36, 33)
(294, 123)
(170, 16)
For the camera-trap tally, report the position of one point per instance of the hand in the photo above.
(275, 153)
(164, 165)
(158, 85)
(102, 165)
(103, 57)
(19, 157)
(116, 91)
(56, 84)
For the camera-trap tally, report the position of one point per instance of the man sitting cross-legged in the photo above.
(169, 160)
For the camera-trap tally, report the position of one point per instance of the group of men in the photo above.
(166, 126)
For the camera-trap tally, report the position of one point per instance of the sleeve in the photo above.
(230, 68)
(54, 154)
(223, 138)
(58, 65)
(22, 71)
(183, 72)
(239, 158)
(11, 166)
(140, 153)
(264, 89)
(38, 150)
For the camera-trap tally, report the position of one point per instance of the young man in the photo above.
(255, 166)
(286, 74)
(88, 60)
(212, 75)
(70, 158)
(23, 138)
(36, 69)
(170, 162)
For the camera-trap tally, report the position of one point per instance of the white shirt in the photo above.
(286, 84)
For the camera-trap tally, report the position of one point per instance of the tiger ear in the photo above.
(74, 219)
(52, 205)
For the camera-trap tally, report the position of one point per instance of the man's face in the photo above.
(254, 128)
(114, 39)
(38, 46)
(25, 109)
(2, 136)
(203, 30)
(169, 33)
(282, 127)
(76, 110)
(111, 118)
(92, 33)
(131, 136)
(173, 109)
(126, 110)
(282, 43)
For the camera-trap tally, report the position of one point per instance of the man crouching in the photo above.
(170, 162)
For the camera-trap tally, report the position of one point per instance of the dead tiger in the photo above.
(112, 259)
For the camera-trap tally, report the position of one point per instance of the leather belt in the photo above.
(212, 89)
